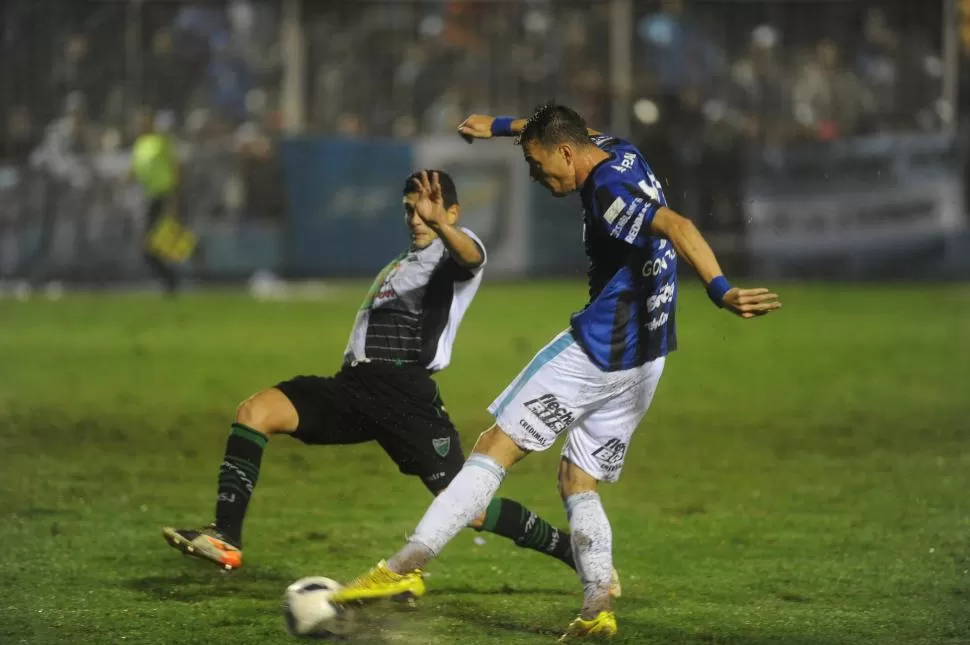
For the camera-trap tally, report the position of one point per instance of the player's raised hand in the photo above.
(430, 205)
(749, 303)
(477, 126)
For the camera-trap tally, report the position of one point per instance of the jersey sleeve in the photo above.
(479, 244)
(626, 209)
(462, 273)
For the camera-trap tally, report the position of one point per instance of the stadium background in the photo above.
(807, 139)
(800, 479)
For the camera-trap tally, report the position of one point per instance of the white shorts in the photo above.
(561, 390)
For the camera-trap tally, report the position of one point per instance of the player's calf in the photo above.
(259, 417)
(465, 498)
(592, 538)
(262, 415)
(512, 520)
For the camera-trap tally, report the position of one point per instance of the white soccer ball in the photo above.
(309, 612)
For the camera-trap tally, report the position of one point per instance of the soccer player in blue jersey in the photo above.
(593, 382)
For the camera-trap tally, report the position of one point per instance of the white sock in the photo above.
(466, 497)
(592, 549)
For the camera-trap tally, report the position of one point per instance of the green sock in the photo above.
(510, 519)
(237, 479)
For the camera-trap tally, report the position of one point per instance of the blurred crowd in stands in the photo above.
(709, 79)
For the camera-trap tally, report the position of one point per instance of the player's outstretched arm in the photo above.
(691, 245)
(464, 250)
(430, 208)
(483, 126)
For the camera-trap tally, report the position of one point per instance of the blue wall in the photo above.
(344, 205)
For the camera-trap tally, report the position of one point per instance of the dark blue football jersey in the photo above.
(632, 274)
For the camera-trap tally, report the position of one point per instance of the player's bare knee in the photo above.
(268, 412)
(498, 445)
(490, 435)
(569, 488)
(254, 414)
(573, 480)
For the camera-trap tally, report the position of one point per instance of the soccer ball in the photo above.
(309, 612)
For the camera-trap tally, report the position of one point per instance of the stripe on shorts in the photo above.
(553, 350)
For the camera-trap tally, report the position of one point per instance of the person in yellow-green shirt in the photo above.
(155, 166)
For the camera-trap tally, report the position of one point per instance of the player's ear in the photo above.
(454, 213)
(567, 153)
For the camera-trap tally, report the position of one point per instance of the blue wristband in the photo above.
(502, 126)
(716, 289)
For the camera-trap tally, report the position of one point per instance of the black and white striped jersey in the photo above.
(412, 311)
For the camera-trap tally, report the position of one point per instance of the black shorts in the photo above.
(399, 407)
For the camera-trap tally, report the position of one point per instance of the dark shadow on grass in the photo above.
(504, 590)
(507, 590)
(494, 623)
(207, 583)
(958, 598)
(397, 623)
(635, 631)
(36, 511)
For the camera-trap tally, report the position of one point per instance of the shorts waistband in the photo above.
(367, 363)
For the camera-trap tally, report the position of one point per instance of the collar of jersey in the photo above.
(588, 184)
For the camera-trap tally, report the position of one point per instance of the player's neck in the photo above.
(586, 160)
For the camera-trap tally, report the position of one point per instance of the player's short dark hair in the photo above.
(552, 125)
(448, 190)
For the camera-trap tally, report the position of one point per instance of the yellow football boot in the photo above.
(380, 582)
(603, 626)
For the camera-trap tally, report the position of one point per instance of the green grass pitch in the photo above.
(802, 479)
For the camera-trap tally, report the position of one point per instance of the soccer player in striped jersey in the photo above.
(384, 392)
(593, 382)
